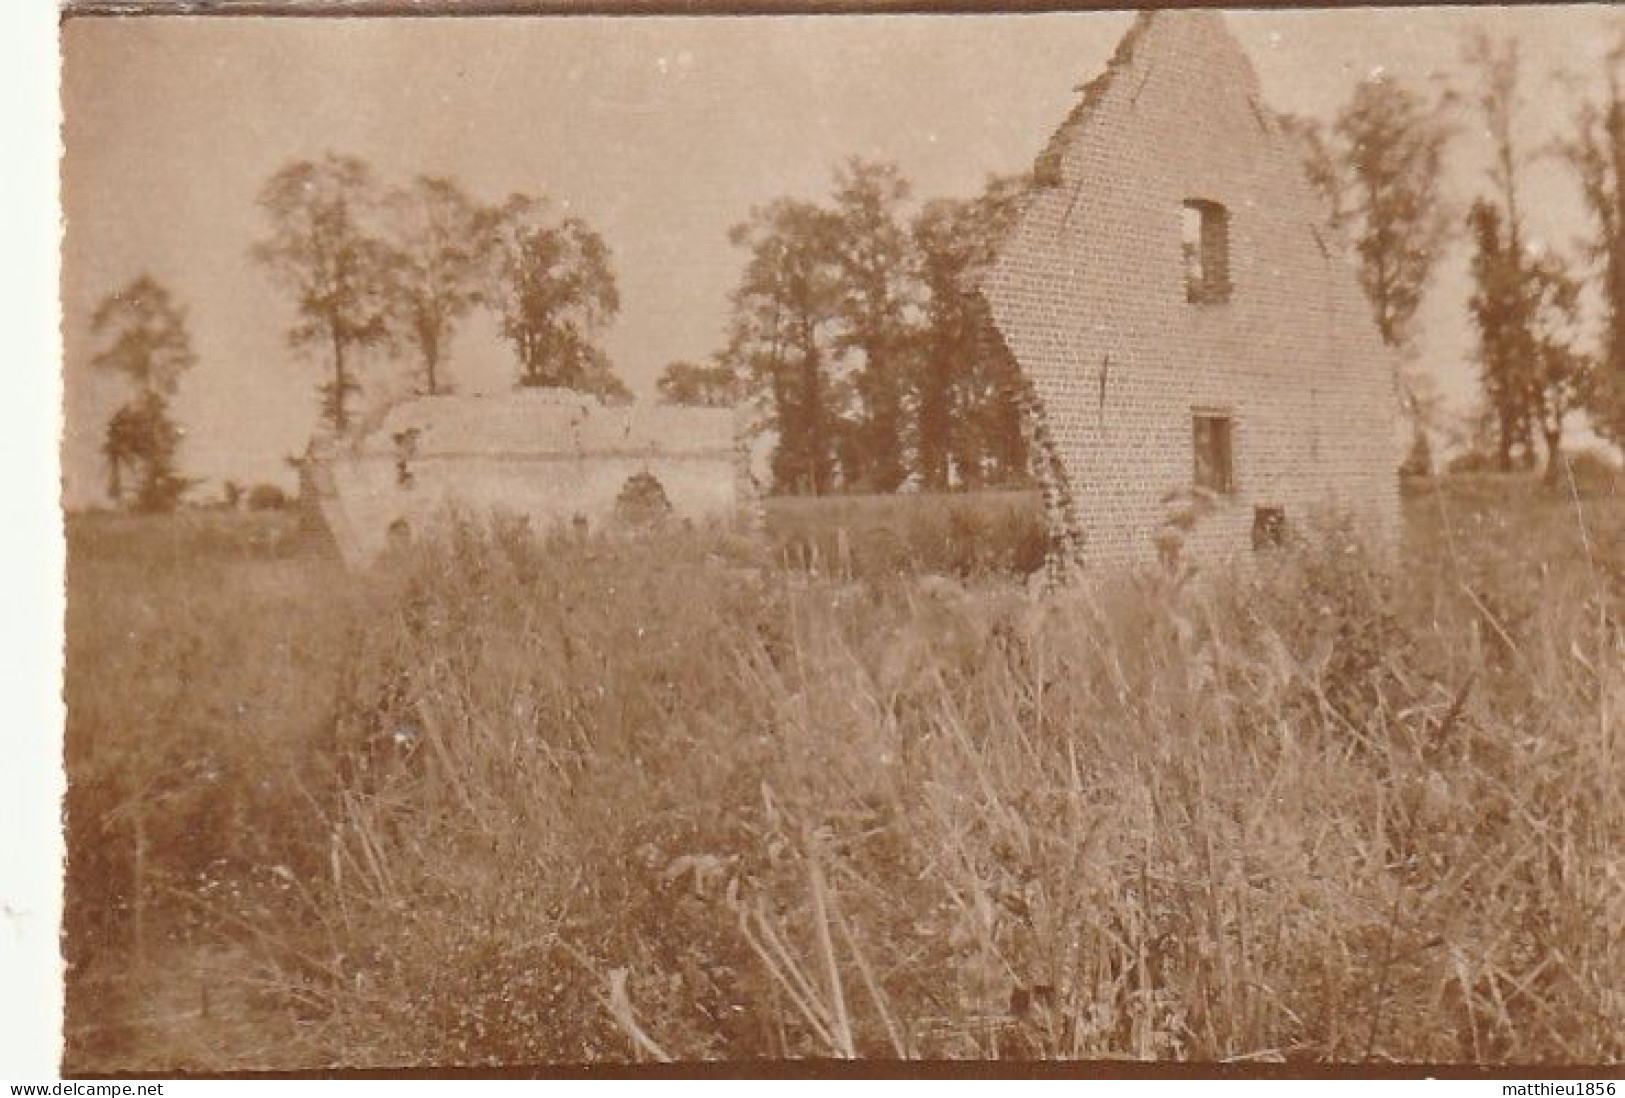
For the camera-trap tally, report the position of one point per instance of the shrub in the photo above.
(1591, 473)
(1471, 461)
(267, 497)
(958, 534)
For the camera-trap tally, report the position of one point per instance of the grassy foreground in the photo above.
(510, 801)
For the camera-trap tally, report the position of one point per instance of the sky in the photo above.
(661, 132)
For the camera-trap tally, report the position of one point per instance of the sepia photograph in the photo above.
(598, 541)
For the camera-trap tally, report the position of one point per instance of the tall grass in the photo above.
(961, 534)
(199, 678)
(552, 800)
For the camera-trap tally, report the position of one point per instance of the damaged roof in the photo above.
(546, 423)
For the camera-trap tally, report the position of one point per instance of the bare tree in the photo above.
(1320, 165)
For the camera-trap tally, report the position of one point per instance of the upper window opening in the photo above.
(1205, 239)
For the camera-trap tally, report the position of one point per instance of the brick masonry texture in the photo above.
(1089, 296)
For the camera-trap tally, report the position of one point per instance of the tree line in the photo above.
(372, 271)
(399, 269)
(1380, 167)
(1537, 365)
(856, 330)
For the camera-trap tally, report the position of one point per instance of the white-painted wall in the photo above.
(363, 496)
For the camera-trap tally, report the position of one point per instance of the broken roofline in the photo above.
(1047, 165)
(540, 425)
(640, 453)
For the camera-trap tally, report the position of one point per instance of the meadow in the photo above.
(856, 791)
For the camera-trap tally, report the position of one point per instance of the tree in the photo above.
(1379, 170)
(1498, 64)
(1527, 311)
(146, 340)
(141, 441)
(693, 385)
(786, 309)
(1560, 373)
(1321, 166)
(598, 377)
(554, 291)
(440, 244)
(1526, 303)
(324, 252)
(1595, 149)
(1389, 147)
(968, 418)
(146, 334)
(874, 259)
(1501, 301)
(1498, 307)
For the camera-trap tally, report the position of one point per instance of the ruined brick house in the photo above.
(555, 457)
(1185, 327)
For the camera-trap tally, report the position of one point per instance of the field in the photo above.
(509, 800)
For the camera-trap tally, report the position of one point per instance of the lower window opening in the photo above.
(1269, 527)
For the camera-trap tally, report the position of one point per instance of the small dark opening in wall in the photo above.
(406, 449)
(1269, 527)
(642, 501)
(400, 532)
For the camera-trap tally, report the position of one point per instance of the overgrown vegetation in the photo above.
(951, 534)
(509, 799)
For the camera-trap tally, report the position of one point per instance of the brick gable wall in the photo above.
(1089, 296)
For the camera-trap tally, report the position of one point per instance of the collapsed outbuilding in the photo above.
(554, 457)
